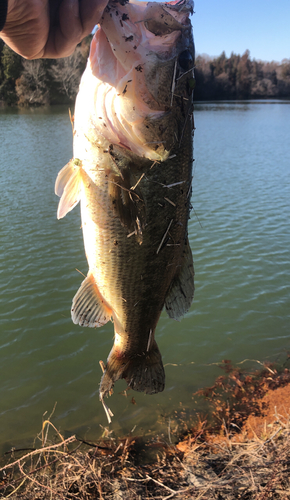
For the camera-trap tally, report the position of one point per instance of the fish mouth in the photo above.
(132, 59)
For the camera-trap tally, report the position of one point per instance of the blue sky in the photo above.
(262, 26)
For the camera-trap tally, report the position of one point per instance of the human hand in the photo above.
(49, 28)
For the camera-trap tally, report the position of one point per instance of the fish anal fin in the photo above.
(142, 372)
(68, 187)
(181, 291)
(88, 307)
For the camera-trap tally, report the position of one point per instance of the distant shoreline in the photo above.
(25, 83)
(240, 77)
(4, 105)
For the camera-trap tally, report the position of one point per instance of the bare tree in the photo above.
(31, 86)
(67, 73)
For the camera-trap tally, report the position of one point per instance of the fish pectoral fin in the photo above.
(143, 372)
(68, 187)
(181, 291)
(88, 307)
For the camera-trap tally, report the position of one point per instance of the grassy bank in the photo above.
(240, 450)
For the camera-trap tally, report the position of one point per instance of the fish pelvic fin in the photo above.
(142, 372)
(89, 307)
(181, 291)
(68, 186)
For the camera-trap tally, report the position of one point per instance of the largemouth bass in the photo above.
(132, 173)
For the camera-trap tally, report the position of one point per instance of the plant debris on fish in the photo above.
(132, 173)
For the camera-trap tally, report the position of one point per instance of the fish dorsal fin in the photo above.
(88, 307)
(181, 292)
(68, 187)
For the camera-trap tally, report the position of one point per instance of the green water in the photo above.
(239, 233)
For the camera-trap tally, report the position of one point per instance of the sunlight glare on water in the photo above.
(239, 233)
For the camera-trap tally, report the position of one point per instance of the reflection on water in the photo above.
(239, 233)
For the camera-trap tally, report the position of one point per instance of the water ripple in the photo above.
(239, 233)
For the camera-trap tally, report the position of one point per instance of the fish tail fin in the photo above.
(143, 372)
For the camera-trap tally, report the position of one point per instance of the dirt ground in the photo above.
(241, 450)
(276, 404)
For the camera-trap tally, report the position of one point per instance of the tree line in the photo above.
(239, 77)
(42, 81)
(56, 81)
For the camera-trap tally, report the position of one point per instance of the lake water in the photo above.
(240, 237)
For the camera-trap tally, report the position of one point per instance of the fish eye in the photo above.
(185, 60)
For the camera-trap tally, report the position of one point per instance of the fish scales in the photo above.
(132, 173)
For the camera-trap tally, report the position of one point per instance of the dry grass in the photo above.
(216, 461)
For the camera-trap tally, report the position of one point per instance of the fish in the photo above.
(132, 174)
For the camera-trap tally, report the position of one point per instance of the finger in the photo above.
(27, 27)
(91, 12)
(75, 21)
(66, 30)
